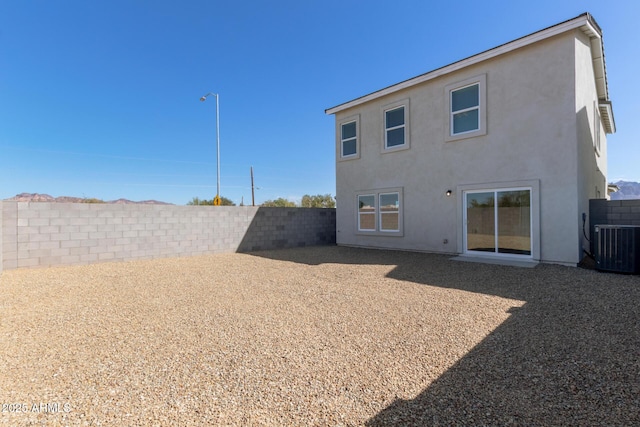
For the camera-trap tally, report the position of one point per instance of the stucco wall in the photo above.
(531, 137)
(592, 163)
(49, 234)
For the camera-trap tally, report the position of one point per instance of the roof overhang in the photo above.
(606, 112)
(593, 31)
(584, 22)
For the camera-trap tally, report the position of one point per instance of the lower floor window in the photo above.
(389, 211)
(367, 212)
(380, 212)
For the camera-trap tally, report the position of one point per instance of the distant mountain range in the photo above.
(627, 190)
(36, 197)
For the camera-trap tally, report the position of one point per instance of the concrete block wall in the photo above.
(274, 228)
(50, 234)
(612, 212)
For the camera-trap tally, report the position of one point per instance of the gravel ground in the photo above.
(318, 336)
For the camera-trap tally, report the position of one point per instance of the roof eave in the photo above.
(606, 113)
(593, 31)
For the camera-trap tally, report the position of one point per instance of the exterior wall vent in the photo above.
(618, 248)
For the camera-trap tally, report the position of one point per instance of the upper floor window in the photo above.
(467, 108)
(596, 128)
(349, 139)
(394, 127)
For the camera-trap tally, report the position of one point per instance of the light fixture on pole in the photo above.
(216, 201)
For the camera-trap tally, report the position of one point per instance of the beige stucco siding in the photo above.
(531, 136)
(592, 163)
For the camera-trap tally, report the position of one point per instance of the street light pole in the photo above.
(253, 197)
(203, 98)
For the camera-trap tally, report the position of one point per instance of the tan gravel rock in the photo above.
(318, 336)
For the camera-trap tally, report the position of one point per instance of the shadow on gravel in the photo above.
(569, 356)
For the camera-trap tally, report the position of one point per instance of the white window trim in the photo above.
(481, 81)
(407, 129)
(343, 139)
(388, 129)
(378, 214)
(374, 213)
(496, 225)
(532, 185)
(453, 114)
(345, 121)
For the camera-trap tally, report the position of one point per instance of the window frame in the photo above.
(454, 114)
(340, 146)
(381, 213)
(374, 213)
(404, 103)
(481, 82)
(379, 231)
(533, 185)
(388, 128)
(497, 224)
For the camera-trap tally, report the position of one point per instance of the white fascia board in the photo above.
(600, 74)
(606, 112)
(578, 22)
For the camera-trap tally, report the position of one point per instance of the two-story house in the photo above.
(494, 156)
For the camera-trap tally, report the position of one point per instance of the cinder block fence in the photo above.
(612, 212)
(49, 234)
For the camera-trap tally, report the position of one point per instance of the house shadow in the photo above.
(278, 228)
(569, 356)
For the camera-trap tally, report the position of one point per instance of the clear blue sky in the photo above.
(100, 98)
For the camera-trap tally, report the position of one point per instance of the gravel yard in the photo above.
(318, 336)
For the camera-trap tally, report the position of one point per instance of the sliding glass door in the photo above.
(498, 221)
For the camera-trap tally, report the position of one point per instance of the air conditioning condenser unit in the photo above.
(617, 248)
